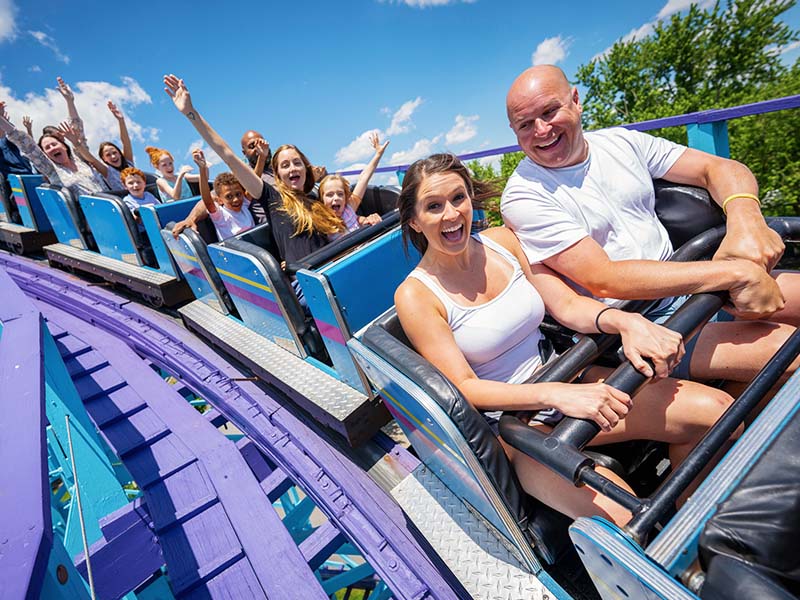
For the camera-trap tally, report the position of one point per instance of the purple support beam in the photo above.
(26, 534)
(127, 555)
(352, 501)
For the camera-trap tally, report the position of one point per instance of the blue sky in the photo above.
(429, 74)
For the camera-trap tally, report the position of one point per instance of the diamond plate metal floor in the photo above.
(330, 401)
(98, 260)
(483, 564)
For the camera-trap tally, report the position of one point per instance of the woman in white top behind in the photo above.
(473, 306)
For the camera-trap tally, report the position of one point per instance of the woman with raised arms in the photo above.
(473, 306)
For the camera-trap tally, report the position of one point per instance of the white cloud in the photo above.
(8, 20)
(91, 97)
(491, 161)
(420, 149)
(401, 120)
(676, 6)
(48, 42)
(384, 179)
(463, 130)
(551, 51)
(212, 158)
(359, 149)
(34, 69)
(427, 3)
(790, 47)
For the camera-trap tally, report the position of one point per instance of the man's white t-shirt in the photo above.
(229, 222)
(608, 197)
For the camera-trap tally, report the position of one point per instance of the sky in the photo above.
(429, 75)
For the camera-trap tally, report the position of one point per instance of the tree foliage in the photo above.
(508, 163)
(723, 56)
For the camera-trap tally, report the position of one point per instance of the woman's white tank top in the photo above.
(500, 338)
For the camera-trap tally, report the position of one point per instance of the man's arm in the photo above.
(753, 292)
(747, 236)
(177, 91)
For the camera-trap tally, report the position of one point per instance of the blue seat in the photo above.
(66, 216)
(340, 299)
(115, 229)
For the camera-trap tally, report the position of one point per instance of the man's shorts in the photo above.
(662, 313)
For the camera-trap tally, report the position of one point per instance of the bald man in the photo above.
(583, 204)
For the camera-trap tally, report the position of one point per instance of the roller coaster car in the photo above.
(98, 234)
(25, 228)
(8, 208)
(249, 307)
(458, 447)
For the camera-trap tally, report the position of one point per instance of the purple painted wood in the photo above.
(367, 515)
(317, 547)
(128, 554)
(208, 510)
(257, 462)
(26, 534)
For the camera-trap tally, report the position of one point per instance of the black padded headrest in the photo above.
(261, 236)
(685, 210)
(347, 242)
(379, 199)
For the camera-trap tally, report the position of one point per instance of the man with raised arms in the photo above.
(583, 204)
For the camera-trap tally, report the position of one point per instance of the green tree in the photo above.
(508, 163)
(723, 56)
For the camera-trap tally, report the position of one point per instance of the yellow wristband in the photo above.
(734, 196)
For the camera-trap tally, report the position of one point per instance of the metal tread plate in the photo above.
(281, 368)
(110, 264)
(484, 564)
(15, 228)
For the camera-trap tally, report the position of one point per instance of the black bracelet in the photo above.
(597, 320)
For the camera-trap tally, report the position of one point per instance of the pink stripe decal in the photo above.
(332, 332)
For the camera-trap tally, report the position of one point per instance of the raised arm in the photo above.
(262, 147)
(733, 187)
(173, 191)
(74, 118)
(177, 91)
(28, 123)
(205, 192)
(369, 170)
(127, 148)
(28, 147)
(80, 147)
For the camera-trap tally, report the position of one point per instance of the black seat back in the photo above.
(685, 210)
(545, 528)
(379, 199)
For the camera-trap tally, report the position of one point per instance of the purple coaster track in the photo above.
(210, 515)
(26, 534)
(355, 504)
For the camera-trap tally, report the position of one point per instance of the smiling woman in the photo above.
(473, 306)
